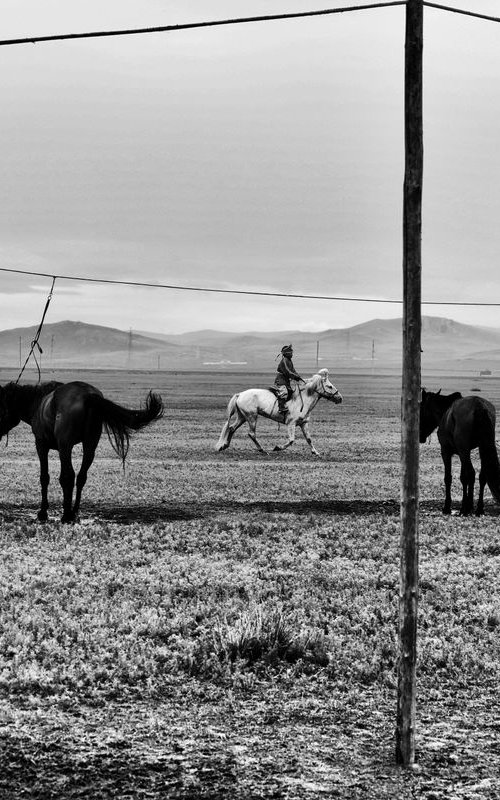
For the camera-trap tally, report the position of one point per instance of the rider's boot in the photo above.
(282, 408)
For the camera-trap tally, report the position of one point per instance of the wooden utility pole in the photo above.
(412, 268)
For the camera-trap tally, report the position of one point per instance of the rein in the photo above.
(35, 342)
(301, 399)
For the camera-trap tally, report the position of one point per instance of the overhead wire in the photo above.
(58, 37)
(462, 11)
(249, 292)
(190, 25)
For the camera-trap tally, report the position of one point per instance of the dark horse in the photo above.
(463, 424)
(62, 415)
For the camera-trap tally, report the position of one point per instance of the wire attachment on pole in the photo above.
(35, 343)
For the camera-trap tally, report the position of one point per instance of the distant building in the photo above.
(224, 363)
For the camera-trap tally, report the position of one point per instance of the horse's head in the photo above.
(427, 414)
(9, 415)
(325, 388)
(432, 407)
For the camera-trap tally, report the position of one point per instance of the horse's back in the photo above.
(466, 421)
(466, 409)
(62, 413)
(74, 393)
(256, 401)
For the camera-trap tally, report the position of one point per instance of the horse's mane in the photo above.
(31, 390)
(446, 400)
(310, 383)
(448, 397)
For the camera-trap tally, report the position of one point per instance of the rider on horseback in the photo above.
(285, 373)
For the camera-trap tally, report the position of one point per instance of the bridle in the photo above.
(327, 395)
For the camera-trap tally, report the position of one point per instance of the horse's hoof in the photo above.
(42, 516)
(66, 518)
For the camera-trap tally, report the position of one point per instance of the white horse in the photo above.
(247, 406)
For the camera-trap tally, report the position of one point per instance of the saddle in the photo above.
(276, 391)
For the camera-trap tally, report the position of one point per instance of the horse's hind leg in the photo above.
(252, 424)
(228, 432)
(43, 455)
(480, 499)
(467, 478)
(67, 481)
(89, 448)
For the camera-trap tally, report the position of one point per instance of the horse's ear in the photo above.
(438, 392)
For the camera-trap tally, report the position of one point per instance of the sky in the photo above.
(264, 157)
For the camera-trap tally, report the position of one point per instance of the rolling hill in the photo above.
(374, 345)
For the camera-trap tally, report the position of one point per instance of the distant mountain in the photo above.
(447, 345)
(81, 345)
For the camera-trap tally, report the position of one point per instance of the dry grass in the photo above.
(225, 624)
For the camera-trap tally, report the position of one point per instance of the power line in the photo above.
(462, 11)
(233, 21)
(191, 25)
(249, 292)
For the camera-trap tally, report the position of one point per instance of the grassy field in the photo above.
(224, 625)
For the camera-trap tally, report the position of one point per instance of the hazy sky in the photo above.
(265, 156)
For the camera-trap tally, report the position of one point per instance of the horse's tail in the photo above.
(488, 453)
(120, 422)
(224, 439)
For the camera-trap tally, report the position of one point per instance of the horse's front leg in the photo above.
(67, 481)
(467, 478)
(307, 436)
(43, 455)
(291, 437)
(446, 456)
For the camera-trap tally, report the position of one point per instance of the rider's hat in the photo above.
(287, 348)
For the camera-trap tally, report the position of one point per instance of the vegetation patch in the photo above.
(244, 646)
